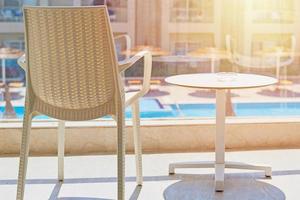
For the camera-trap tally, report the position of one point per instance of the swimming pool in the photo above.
(149, 108)
(152, 108)
(240, 109)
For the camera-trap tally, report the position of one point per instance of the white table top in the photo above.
(221, 80)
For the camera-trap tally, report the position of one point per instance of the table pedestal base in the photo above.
(219, 169)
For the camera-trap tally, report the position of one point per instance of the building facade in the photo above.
(11, 27)
(180, 26)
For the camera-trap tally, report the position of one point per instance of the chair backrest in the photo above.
(71, 59)
(263, 61)
(254, 61)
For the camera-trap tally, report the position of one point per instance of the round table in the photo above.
(220, 82)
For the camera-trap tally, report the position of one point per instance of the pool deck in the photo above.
(94, 178)
(182, 95)
(170, 94)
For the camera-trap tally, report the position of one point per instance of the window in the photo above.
(278, 11)
(12, 3)
(192, 36)
(183, 43)
(192, 11)
(10, 10)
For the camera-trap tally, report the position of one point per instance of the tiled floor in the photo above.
(94, 178)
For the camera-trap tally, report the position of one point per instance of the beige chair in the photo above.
(73, 74)
(276, 60)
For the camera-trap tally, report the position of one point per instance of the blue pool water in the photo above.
(240, 109)
(151, 108)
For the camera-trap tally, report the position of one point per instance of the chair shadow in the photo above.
(136, 193)
(55, 193)
(234, 189)
(194, 181)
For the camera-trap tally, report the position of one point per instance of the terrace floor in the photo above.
(94, 178)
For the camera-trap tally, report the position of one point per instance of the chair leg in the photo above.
(137, 142)
(24, 152)
(61, 149)
(121, 154)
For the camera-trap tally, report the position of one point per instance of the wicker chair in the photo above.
(73, 75)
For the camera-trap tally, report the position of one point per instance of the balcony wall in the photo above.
(99, 137)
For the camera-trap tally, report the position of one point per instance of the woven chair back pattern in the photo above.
(71, 58)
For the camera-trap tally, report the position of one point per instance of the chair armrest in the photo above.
(22, 62)
(147, 73)
(125, 64)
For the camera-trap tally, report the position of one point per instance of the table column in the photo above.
(220, 139)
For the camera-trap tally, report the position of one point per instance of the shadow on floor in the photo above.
(177, 176)
(55, 193)
(210, 94)
(279, 93)
(156, 93)
(152, 92)
(234, 189)
(193, 186)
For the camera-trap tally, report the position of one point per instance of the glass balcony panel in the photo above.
(190, 36)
